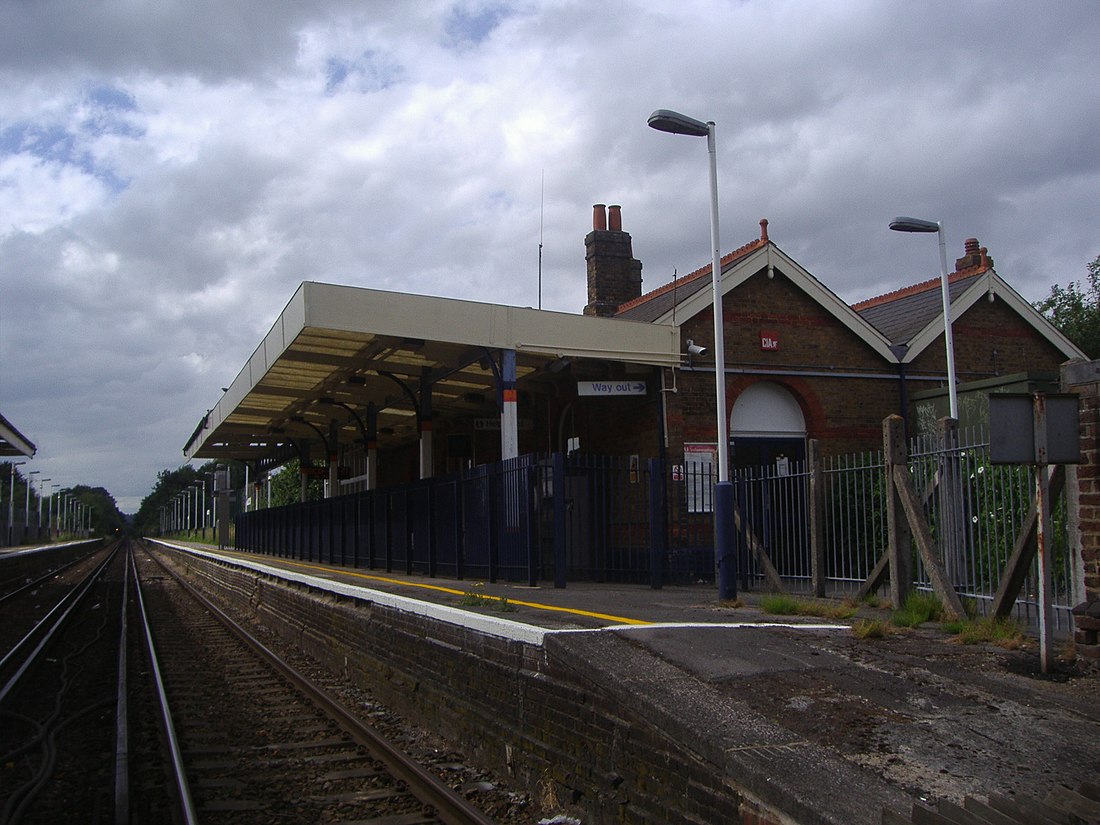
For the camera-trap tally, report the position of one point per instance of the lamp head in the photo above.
(913, 225)
(695, 349)
(666, 120)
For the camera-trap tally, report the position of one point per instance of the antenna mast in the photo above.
(542, 212)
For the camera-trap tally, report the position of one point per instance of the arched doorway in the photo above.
(767, 429)
(767, 467)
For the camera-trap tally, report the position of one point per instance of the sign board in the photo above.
(1013, 418)
(700, 461)
(611, 388)
(769, 340)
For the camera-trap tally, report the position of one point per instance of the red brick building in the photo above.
(800, 363)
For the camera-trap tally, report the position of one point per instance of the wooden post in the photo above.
(900, 551)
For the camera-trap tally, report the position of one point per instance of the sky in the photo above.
(171, 171)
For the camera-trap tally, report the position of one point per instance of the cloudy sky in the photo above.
(171, 171)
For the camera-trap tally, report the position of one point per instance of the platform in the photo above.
(848, 726)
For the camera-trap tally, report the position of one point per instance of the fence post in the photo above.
(532, 478)
(900, 537)
(817, 518)
(559, 521)
(658, 528)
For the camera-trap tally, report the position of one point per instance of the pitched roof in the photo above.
(689, 295)
(653, 305)
(901, 314)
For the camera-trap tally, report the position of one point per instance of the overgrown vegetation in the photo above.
(782, 604)
(872, 629)
(1004, 633)
(920, 607)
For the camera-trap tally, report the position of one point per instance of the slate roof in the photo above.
(902, 314)
(653, 305)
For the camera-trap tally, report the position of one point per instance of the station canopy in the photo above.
(337, 349)
(13, 442)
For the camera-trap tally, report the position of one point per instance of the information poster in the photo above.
(700, 461)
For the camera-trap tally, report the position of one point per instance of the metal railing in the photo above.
(579, 517)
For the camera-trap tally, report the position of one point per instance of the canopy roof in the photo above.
(360, 346)
(13, 442)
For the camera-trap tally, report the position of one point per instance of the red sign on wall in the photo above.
(769, 340)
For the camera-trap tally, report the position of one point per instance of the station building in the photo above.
(386, 388)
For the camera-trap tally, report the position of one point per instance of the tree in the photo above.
(286, 485)
(1075, 311)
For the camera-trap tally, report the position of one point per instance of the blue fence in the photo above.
(531, 519)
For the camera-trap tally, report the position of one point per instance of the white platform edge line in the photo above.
(489, 625)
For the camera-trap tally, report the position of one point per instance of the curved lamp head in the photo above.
(666, 120)
(913, 225)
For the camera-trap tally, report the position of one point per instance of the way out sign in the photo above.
(610, 388)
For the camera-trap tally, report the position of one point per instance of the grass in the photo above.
(782, 604)
(919, 608)
(872, 629)
(1004, 633)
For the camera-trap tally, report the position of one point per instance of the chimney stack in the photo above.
(614, 276)
(974, 255)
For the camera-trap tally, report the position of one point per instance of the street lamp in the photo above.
(27, 506)
(50, 531)
(664, 120)
(42, 482)
(11, 502)
(919, 225)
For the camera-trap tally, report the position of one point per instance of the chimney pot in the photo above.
(599, 217)
(764, 230)
(615, 218)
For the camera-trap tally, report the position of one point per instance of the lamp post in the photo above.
(664, 120)
(920, 225)
(41, 489)
(54, 488)
(11, 501)
(27, 506)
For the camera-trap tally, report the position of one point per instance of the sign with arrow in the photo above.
(609, 388)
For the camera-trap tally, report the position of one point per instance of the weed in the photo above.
(920, 607)
(475, 596)
(1004, 633)
(871, 629)
(780, 604)
(505, 606)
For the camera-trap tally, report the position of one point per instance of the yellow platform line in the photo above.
(452, 591)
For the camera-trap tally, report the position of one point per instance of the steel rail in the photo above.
(11, 594)
(182, 788)
(122, 730)
(452, 808)
(65, 607)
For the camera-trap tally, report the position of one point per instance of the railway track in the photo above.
(147, 704)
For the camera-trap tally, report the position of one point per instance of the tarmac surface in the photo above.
(801, 706)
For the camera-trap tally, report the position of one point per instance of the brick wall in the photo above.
(990, 339)
(1083, 378)
(520, 710)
